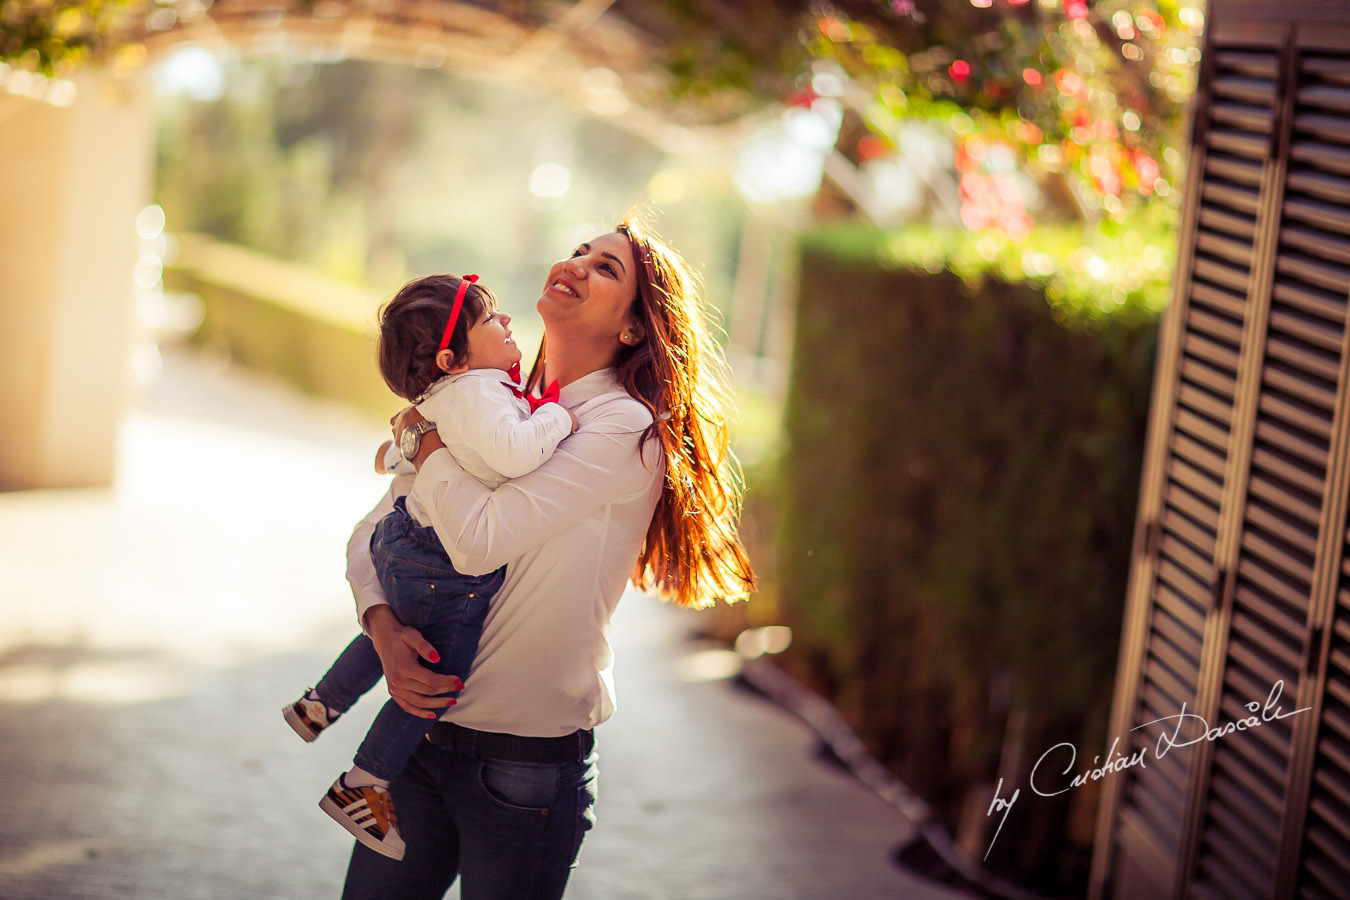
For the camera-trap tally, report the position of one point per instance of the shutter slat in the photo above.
(1267, 660)
(1333, 278)
(1328, 305)
(1328, 128)
(1275, 614)
(1159, 812)
(1236, 251)
(1220, 274)
(1183, 638)
(1277, 525)
(1246, 775)
(1220, 301)
(1252, 63)
(1216, 380)
(1305, 418)
(1272, 489)
(1335, 783)
(1215, 219)
(1302, 356)
(1183, 528)
(1323, 96)
(1228, 885)
(1277, 555)
(1200, 455)
(1177, 662)
(1328, 877)
(1195, 480)
(1174, 606)
(1252, 90)
(1193, 507)
(1220, 327)
(1222, 356)
(1292, 443)
(1332, 247)
(1189, 585)
(1331, 216)
(1276, 587)
(1320, 156)
(1219, 409)
(1249, 761)
(1288, 322)
(1235, 183)
(1314, 391)
(1243, 116)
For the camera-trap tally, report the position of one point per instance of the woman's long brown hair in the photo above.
(692, 554)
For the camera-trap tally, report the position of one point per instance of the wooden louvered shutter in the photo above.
(1247, 786)
(1176, 579)
(1263, 812)
(1316, 851)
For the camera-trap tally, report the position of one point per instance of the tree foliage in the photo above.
(1090, 91)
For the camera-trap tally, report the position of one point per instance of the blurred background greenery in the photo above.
(938, 236)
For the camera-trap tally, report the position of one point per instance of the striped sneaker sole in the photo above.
(300, 723)
(352, 810)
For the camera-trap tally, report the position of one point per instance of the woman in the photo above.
(501, 793)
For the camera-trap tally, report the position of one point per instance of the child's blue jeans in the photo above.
(426, 593)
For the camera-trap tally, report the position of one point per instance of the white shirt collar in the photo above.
(590, 386)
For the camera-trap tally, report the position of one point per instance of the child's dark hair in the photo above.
(411, 326)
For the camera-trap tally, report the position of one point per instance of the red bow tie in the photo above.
(550, 392)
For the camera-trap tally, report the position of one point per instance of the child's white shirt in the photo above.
(489, 431)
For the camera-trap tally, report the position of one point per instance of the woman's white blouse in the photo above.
(569, 533)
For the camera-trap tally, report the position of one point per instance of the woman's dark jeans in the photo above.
(509, 830)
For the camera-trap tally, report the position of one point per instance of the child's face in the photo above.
(490, 343)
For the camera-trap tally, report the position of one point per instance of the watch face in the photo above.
(408, 442)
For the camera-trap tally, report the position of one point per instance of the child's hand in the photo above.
(575, 423)
(379, 457)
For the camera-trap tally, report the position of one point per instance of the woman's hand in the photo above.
(414, 687)
(431, 441)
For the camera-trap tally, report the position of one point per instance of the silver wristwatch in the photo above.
(411, 438)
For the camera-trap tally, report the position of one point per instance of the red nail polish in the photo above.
(435, 657)
(450, 702)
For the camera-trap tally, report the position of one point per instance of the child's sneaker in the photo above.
(368, 813)
(308, 717)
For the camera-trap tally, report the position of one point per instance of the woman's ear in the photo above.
(445, 361)
(632, 333)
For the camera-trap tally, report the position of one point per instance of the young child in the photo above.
(444, 346)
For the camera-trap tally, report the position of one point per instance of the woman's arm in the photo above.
(483, 529)
(360, 567)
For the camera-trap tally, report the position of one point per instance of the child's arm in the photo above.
(481, 415)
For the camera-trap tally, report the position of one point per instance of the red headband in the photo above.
(454, 311)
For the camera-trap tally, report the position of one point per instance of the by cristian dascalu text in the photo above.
(1049, 784)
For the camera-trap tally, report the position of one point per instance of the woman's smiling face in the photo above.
(590, 295)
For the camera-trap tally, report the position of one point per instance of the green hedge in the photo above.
(285, 320)
(958, 496)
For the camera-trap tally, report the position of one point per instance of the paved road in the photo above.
(153, 630)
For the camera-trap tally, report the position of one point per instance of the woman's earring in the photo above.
(626, 337)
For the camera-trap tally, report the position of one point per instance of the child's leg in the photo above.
(395, 735)
(426, 593)
(356, 670)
